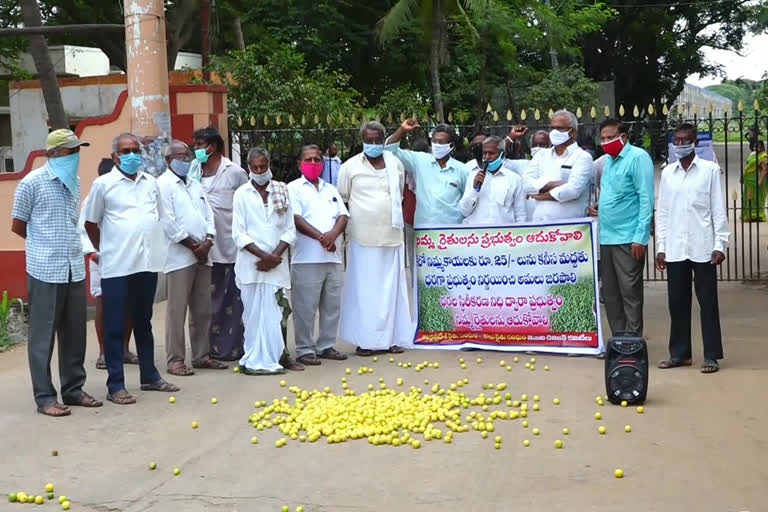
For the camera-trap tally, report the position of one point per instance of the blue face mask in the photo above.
(201, 155)
(180, 167)
(496, 164)
(130, 163)
(65, 168)
(373, 150)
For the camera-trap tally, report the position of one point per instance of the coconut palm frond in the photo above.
(396, 19)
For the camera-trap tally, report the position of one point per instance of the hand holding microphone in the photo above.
(480, 177)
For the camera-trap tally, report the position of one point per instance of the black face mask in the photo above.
(477, 153)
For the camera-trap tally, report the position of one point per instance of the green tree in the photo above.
(565, 88)
(434, 17)
(11, 47)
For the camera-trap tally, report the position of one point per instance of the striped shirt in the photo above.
(53, 248)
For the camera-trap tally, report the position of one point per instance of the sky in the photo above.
(752, 64)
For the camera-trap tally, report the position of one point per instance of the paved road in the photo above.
(700, 445)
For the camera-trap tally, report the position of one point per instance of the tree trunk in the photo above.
(434, 58)
(237, 28)
(205, 33)
(57, 117)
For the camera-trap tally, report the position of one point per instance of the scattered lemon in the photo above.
(516, 359)
(62, 499)
(497, 439)
(172, 400)
(479, 360)
(347, 371)
(558, 444)
(285, 508)
(214, 400)
(299, 509)
(51, 496)
(176, 471)
(526, 443)
(416, 444)
(536, 431)
(152, 467)
(283, 383)
(640, 409)
(461, 359)
(566, 431)
(65, 505)
(524, 398)
(624, 403)
(528, 365)
(536, 407)
(601, 429)
(618, 473)
(533, 360)
(48, 487)
(627, 428)
(598, 416)
(12, 498)
(546, 368)
(536, 398)
(39, 500)
(509, 368)
(236, 369)
(556, 401)
(375, 359)
(195, 424)
(254, 440)
(502, 363)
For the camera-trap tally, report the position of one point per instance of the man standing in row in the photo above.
(45, 213)
(331, 165)
(559, 178)
(625, 210)
(188, 267)
(376, 315)
(317, 278)
(123, 222)
(691, 239)
(440, 179)
(497, 195)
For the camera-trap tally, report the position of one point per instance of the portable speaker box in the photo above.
(626, 369)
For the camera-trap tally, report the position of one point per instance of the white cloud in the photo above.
(752, 62)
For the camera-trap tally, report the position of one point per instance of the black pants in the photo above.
(704, 277)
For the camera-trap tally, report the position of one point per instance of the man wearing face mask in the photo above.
(625, 210)
(559, 179)
(188, 266)
(496, 196)
(123, 219)
(220, 178)
(45, 214)
(376, 314)
(691, 240)
(316, 274)
(440, 179)
(263, 230)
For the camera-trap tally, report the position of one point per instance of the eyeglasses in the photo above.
(128, 151)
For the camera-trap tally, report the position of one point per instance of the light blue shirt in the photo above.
(626, 198)
(438, 191)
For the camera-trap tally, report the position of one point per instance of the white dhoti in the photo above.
(263, 336)
(375, 311)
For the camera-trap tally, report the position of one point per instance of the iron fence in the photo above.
(733, 141)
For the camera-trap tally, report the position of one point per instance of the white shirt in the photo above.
(129, 214)
(690, 216)
(367, 191)
(259, 224)
(320, 207)
(188, 215)
(574, 167)
(501, 200)
(219, 191)
(84, 239)
(518, 165)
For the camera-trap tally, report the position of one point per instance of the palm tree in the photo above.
(433, 15)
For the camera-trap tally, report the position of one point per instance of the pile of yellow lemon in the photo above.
(22, 497)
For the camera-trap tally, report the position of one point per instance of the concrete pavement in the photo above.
(700, 445)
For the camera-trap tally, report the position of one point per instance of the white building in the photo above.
(696, 101)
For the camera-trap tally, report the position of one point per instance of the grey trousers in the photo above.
(188, 288)
(56, 310)
(622, 289)
(315, 287)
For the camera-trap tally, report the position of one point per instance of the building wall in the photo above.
(80, 61)
(695, 98)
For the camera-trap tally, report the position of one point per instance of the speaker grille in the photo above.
(626, 382)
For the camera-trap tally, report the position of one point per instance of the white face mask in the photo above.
(535, 150)
(262, 179)
(556, 137)
(440, 151)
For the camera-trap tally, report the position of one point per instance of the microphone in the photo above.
(483, 170)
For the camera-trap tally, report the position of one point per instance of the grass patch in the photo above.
(432, 316)
(577, 313)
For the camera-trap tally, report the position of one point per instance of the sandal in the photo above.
(179, 369)
(210, 364)
(54, 410)
(121, 397)
(130, 358)
(333, 355)
(364, 352)
(394, 349)
(160, 385)
(710, 366)
(101, 364)
(248, 371)
(674, 363)
(84, 400)
(309, 360)
(289, 363)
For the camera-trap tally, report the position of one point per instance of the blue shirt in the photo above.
(54, 251)
(626, 198)
(438, 191)
(331, 168)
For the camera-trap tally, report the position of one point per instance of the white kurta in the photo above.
(375, 313)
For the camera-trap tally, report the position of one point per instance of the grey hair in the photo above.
(256, 152)
(572, 121)
(373, 125)
(125, 135)
(308, 147)
(493, 139)
(173, 145)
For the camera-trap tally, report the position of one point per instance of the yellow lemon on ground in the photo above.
(598, 416)
(195, 424)
(509, 368)
(12, 497)
(566, 431)
(347, 371)
(299, 509)
(627, 428)
(375, 359)
(601, 429)
(285, 508)
(558, 444)
(176, 471)
(624, 403)
(39, 500)
(640, 409)
(536, 407)
(236, 369)
(497, 439)
(283, 383)
(479, 360)
(214, 400)
(152, 467)
(516, 359)
(536, 398)
(526, 443)
(546, 368)
(524, 397)
(618, 473)
(525, 423)
(62, 499)
(536, 431)
(172, 400)
(48, 487)
(65, 505)
(416, 444)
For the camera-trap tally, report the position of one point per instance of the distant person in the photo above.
(476, 148)
(440, 178)
(497, 194)
(409, 209)
(624, 210)
(692, 235)
(123, 221)
(45, 214)
(559, 179)
(331, 165)
(106, 165)
(755, 186)
(375, 313)
(317, 277)
(220, 178)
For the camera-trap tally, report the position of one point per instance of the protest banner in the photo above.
(515, 288)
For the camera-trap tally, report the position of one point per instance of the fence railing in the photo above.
(733, 137)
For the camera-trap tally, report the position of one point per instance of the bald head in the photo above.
(540, 139)
(177, 150)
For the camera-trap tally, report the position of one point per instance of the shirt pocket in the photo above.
(499, 193)
(699, 195)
